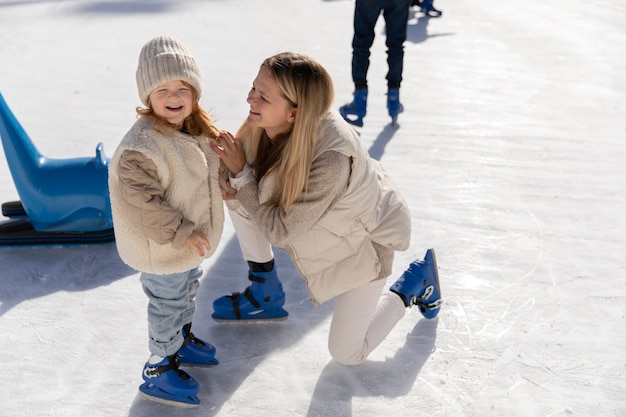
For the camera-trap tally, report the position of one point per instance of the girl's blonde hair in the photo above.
(198, 123)
(309, 89)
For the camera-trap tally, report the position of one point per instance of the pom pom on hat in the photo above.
(164, 59)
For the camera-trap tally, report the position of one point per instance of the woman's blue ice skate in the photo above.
(166, 383)
(419, 285)
(262, 300)
(196, 352)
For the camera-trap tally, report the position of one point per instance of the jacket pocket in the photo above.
(322, 248)
(332, 264)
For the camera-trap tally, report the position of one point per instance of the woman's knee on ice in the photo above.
(347, 355)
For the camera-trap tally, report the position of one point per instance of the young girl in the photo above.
(168, 212)
(305, 183)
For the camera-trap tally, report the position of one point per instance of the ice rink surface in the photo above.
(510, 153)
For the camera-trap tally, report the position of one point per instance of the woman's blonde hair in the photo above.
(309, 89)
(198, 123)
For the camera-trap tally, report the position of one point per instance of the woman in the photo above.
(305, 183)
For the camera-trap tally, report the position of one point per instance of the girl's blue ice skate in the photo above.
(196, 352)
(419, 285)
(262, 300)
(166, 383)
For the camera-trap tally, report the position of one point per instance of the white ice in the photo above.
(510, 153)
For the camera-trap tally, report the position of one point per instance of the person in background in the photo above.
(305, 183)
(168, 212)
(366, 13)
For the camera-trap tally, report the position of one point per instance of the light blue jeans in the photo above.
(171, 305)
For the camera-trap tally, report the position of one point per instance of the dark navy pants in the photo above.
(366, 13)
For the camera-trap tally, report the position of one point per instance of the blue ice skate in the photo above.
(61, 200)
(394, 107)
(427, 7)
(196, 352)
(419, 285)
(354, 112)
(166, 383)
(262, 300)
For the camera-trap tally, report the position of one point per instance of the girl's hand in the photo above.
(230, 150)
(197, 241)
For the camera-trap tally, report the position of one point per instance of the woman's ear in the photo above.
(291, 118)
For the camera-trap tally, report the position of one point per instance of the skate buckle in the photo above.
(427, 292)
(423, 304)
(155, 371)
(151, 372)
(431, 306)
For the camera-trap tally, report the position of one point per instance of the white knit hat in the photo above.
(164, 59)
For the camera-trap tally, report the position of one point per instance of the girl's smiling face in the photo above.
(172, 101)
(269, 108)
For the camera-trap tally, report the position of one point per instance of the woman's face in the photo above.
(269, 109)
(172, 102)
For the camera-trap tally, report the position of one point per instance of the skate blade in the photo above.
(351, 117)
(210, 364)
(153, 393)
(433, 259)
(356, 121)
(264, 316)
(394, 117)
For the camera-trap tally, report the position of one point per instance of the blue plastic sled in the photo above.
(62, 201)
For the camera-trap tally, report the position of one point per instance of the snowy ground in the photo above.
(510, 153)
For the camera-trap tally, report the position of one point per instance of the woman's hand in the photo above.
(230, 150)
(228, 192)
(197, 241)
